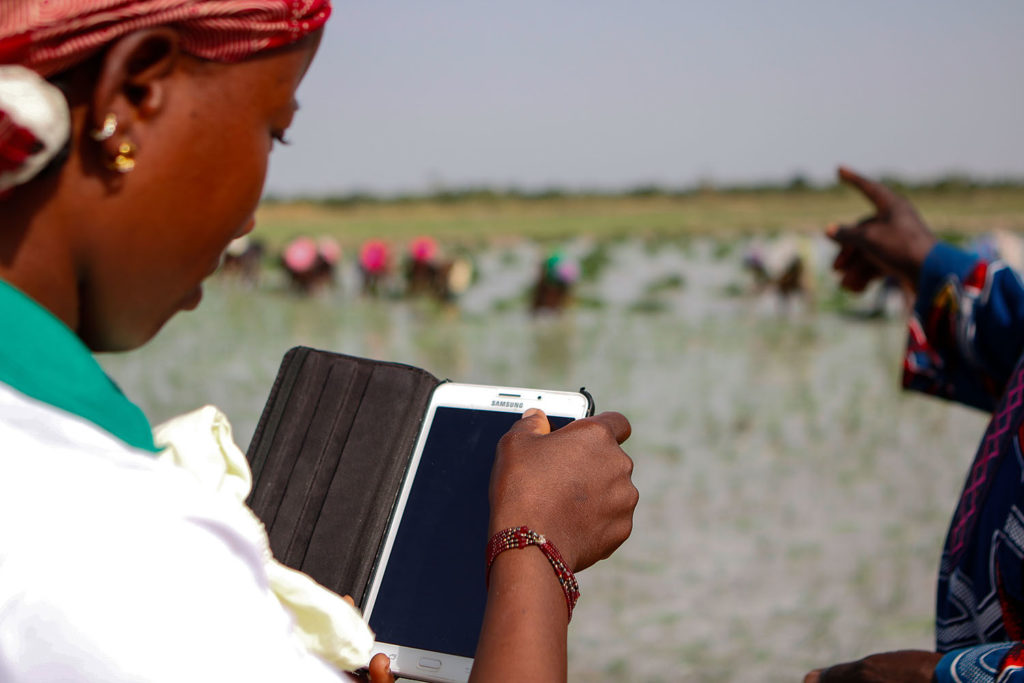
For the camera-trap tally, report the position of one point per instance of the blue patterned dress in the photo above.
(965, 344)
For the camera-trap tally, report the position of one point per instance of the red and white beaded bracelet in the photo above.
(516, 538)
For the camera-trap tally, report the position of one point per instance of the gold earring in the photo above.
(123, 162)
(107, 130)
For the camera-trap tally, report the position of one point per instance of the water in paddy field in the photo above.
(793, 501)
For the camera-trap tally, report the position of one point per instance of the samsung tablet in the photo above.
(426, 598)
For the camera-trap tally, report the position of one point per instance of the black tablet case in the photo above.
(328, 458)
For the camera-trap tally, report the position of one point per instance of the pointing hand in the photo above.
(893, 241)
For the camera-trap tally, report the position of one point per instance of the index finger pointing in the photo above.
(616, 422)
(878, 194)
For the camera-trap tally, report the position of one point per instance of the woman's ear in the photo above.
(133, 84)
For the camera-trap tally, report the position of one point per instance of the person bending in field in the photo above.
(965, 344)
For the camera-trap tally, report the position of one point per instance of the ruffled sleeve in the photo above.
(989, 663)
(967, 331)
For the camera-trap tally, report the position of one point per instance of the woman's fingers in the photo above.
(847, 236)
(380, 669)
(856, 270)
(573, 485)
(843, 258)
(878, 194)
(533, 421)
(616, 423)
(858, 275)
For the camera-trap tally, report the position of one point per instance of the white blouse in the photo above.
(116, 566)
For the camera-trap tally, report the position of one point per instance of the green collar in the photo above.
(42, 358)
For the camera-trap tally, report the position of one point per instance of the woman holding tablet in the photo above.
(134, 137)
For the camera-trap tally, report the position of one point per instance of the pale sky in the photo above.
(408, 95)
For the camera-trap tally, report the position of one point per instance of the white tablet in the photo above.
(427, 594)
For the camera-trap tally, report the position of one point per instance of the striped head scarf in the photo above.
(45, 37)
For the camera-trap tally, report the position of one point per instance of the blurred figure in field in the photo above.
(458, 278)
(965, 344)
(784, 266)
(330, 254)
(243, 260)
(311, 265)
(553, 290)
(427, 273)
(421, 270)
(374, 265)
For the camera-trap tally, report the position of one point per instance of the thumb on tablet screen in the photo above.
(534, 421)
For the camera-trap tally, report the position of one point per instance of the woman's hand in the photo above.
(572, 485)
(379, 671)
(906, 666)
(894, 241)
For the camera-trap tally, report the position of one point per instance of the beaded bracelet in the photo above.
(520, 537)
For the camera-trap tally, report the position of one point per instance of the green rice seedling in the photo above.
(665, 283)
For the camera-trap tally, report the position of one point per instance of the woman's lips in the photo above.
(193, 298)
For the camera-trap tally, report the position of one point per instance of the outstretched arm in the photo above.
(906, 666)
(893, 241)
(967, 331)
(988, 663)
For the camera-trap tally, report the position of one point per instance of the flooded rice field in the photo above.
(793, 501)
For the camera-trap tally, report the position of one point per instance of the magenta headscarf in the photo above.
(49, 36)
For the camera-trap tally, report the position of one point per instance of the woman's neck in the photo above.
(36, 247)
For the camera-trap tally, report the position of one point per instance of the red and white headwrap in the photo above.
(44, 37)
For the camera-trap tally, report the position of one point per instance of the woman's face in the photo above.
(200, 168)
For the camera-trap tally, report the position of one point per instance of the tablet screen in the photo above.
(432, 593)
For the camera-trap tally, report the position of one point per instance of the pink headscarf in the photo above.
(300, 255)
(45, 37)
(374, 257)
(51, 36)
(423, 249)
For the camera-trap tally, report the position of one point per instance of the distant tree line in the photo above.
(952, 183)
